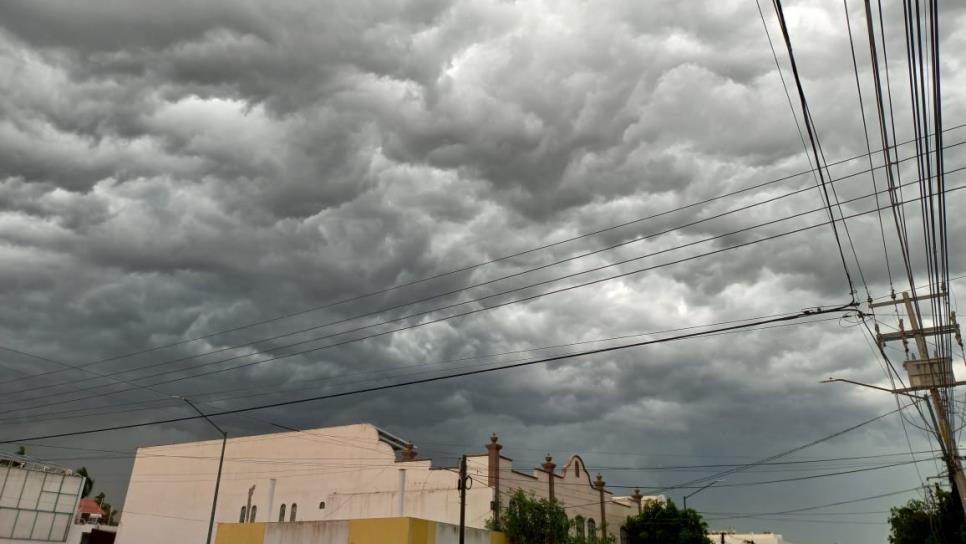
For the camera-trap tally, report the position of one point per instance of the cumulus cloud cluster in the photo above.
(169, 170)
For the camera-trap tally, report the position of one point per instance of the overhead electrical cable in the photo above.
(785, 453)
(501, 304)
(455, 271)
(868, 143)
(374, 313)
(85, 413)
(812, 137)
(803, 314)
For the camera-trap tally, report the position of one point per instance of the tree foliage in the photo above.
(110, 515)
(665, 523)
(529, 520)
(936, 521)
(88, 481)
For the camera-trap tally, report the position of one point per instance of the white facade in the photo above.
(335, 473)
(37, 501)
(746, 538)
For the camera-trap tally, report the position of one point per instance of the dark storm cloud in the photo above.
(168, 170)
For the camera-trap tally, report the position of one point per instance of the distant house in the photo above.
(88, 511)
(731, 537)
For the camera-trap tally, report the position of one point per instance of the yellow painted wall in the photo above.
(240, 533)
(498, 538)
(422, 531)
(360, 531)
(379, 531)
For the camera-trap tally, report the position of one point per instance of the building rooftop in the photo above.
(29, 463)
(89, 506)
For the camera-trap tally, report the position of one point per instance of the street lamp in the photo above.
(221, 461)
(698, 491)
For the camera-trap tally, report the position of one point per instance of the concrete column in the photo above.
(599, 484)
(401, 504)
(493, 472)
(638, 498)
(548, 467)
(271, 501)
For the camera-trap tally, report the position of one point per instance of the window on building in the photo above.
(322, 505)
(591, 527)
(579, 526)
(295, 508)
(241, 517)
(251, 515)
(281, 513)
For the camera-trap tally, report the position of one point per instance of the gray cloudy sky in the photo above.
(173, 169)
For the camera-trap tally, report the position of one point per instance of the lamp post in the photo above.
(221, 462)
(947, 443)
(698, 491)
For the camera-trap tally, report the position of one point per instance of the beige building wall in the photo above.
(335, 473)
(573, 488)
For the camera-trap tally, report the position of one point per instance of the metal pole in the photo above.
(221, 462)
(214, 500)
(462, 486)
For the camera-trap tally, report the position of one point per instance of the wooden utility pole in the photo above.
(930, 374)
(462, 485)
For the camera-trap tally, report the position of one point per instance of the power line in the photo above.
(328, 380)
(813, 139)
(805, 313)
(441, 295)
(463, 269)
(865, 134)
(501, 304)
(785, 453)
(829, 505)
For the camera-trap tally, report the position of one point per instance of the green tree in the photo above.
(665, 523)
(110, 515)
(936, 521)
(88, 481)
(529, 520)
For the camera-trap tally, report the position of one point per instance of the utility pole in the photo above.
(464, 483)
(930, 374)
(221, 462)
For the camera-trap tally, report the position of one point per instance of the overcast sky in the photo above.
(173, 169)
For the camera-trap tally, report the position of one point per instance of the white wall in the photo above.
(356, 475)
(36, 503)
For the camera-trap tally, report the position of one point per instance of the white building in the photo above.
(731, 537)
(337, 473)
(37, 501)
